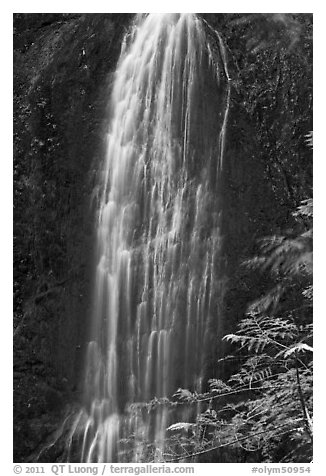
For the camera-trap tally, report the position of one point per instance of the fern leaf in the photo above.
(185, 395)
(301, 347)
(180, 426)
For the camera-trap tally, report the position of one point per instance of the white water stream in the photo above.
(157, 290)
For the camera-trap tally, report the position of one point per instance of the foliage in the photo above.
(272, 417)
(263, 412)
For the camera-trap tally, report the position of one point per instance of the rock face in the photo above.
(63, 65)
(62, 81)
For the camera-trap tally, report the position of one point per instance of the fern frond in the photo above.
(267, 302)
(301, 347)
(218, 386)
(305, 210)
(250, 342)
(180, 426)
(309, 139)
(185, 395)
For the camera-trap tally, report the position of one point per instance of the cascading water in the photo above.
(157, 287)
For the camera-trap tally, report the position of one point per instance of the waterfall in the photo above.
(157, 287)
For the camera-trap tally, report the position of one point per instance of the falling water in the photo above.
(157, 286)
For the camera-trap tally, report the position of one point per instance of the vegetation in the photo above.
(271, 415)
(263, 411)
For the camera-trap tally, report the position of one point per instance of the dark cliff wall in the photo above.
(267, 166)
(62, 74)
(63, 66)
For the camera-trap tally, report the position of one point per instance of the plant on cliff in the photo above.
(263, 412)
(265, 407)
